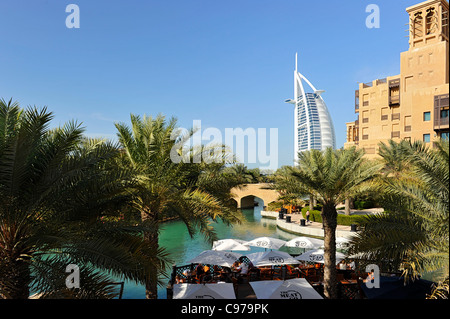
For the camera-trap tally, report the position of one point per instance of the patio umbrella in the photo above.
(204, 291)
(266, 242)
(316, 256)
(230, 244)
(305, 242)
(216, 257)
(297, 288)
(342, 242)
(271, 258)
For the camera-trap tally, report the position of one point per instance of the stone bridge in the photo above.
(245, 196)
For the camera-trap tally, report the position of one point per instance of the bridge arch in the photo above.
(245, 195)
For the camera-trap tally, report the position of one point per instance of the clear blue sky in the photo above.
(226, 63)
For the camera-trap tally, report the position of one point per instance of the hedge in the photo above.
(315, 216)
(361, 204)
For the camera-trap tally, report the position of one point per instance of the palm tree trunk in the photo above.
(311, 203)
(15, 280)
(347, 206)
(151, 287)
(329, 218)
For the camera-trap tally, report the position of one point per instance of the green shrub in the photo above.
(363, 204)
(315, 216)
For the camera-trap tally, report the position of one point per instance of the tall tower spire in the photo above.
(313, 127)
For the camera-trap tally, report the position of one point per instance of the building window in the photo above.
(444, 113)
(426, 116)
(444, 136)
(426, 138)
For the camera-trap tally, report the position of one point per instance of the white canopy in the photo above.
(204, 291)
(316, 256)
(230, 244)
(297, 288)
(342, 242)
(216, 257)
(266, 242)
(271, 258)
(305, 242)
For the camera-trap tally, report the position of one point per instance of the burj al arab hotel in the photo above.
(313, 127)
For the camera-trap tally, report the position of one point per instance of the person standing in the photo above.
(307, 216)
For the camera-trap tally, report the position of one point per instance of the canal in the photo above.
(181, 247)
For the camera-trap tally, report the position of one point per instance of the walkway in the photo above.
(311, 228)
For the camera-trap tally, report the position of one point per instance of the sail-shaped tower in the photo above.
(313, 126)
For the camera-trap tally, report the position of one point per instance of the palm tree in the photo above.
(55, 187)
(192, 190)
(414, 235)
(333, 175)
(288, 187)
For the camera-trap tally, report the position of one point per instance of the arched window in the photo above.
(418, 25)
(430, 21)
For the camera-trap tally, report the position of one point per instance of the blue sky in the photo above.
(227, 63)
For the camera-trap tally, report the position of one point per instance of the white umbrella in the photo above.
(266, 242)
(305, 242)
(204, 291)
(271, 258)
(342, 242)
(297, 288)
(230, 244)
(216, 257)
(316, 256)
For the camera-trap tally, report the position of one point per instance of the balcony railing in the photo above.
(395, 116)
(393, 100)
(365, 120)
(384, 117)
(408, 128)
(394, 92)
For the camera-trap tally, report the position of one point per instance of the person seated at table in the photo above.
(343, 265)
(352, 265)
(188, 274)
(206, 269)
(179, 279)
(199, 272)
(242, 269)
(235, 265)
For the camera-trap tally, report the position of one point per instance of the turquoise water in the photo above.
(176, 240)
